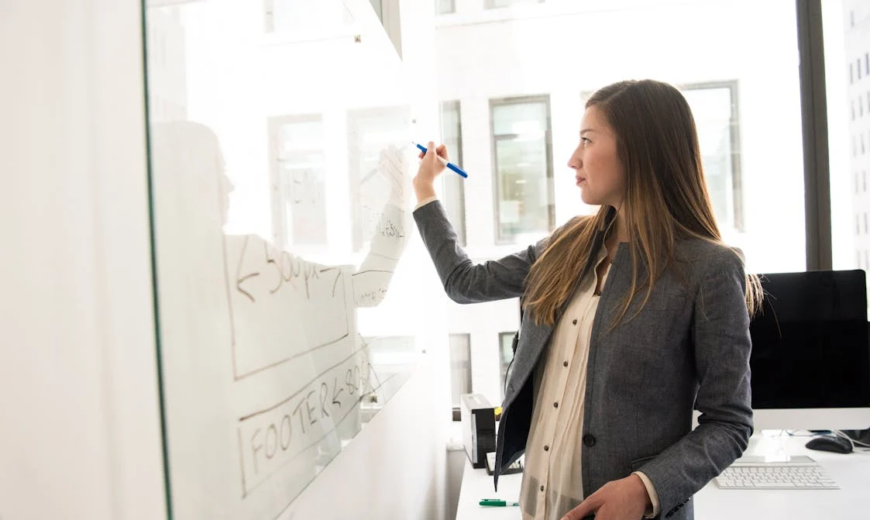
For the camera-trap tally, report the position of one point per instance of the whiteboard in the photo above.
(280, 209)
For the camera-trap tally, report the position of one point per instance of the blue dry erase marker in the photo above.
(494, 502)
(450, 165)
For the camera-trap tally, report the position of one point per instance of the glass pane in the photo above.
(454, 185)
(460, 366)
(279, 210)
(520, 119)
(445, 6)
(847, 64)
(715, 111)
(524, 187)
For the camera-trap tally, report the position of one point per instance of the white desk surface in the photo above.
(852, 500)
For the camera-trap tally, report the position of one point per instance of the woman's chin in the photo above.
(588, 199)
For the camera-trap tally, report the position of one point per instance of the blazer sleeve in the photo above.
(722, 347)
(464, 281)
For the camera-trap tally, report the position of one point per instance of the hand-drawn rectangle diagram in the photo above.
(321, 414)
(282, 307)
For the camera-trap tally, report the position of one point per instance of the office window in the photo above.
(865, 224)
(715, 108)
(856, 183)
(298, 180)
(454, 187)
(523, 167)
(857, 226)
(460, 368)
(843, 46)
(506, 355)
(496, 4)
(445, 6)
(853, 110)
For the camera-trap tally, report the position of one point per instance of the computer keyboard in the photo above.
(798, 473)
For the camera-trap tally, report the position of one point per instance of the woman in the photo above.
(634, 317)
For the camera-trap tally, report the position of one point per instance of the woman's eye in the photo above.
(585, 140)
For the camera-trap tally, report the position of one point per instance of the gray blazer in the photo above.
(687, 349)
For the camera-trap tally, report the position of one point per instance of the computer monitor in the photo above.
(810, 352)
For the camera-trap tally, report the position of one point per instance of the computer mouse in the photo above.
(830, 443)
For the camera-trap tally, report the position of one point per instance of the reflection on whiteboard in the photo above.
(299, 180)
(265, 375)
(264, 285)
(369, 132)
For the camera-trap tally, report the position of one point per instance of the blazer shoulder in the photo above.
(697, 250)
(703, 257)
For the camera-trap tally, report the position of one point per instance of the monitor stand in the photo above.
(771, 446)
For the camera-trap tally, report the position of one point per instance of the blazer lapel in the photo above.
(534, 337)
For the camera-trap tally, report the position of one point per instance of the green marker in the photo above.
(494, 502)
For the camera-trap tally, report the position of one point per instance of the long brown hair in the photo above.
(666, 199)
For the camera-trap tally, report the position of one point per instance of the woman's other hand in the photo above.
(624, 499)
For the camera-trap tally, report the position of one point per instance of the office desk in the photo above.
(851, 501)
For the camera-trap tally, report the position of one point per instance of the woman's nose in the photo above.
(574, 161)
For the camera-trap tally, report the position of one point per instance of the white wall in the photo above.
(80, 433)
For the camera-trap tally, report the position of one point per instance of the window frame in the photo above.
(467, 336)
(279, 220)
(548, 142)
(814, 129)
(736, 156)
(455, 208)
